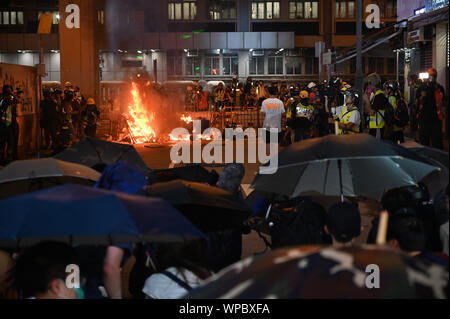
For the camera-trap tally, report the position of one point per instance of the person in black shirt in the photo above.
(430, 98)
(49, 119)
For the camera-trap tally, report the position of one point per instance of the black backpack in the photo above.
(402, 115)
(305, 226)
(389, 114)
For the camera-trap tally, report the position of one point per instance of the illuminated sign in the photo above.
(432, 5)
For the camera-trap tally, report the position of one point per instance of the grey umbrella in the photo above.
(91, 151)
(353, 165)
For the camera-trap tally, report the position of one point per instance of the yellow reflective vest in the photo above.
(377, 120)
(303, 111)
(345, 119)
(6, 116)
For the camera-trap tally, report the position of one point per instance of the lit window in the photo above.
(186, 10)
(13, 17)
(304, 10)
(265, 10)
(345, 10)
(222, 9)
(5, 17)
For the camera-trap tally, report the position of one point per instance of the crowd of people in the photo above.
(337, 108)
(418, 227)
(66, 116)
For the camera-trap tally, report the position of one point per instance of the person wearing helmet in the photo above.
(350, 118)
(90, 116)
(376, 106)
(431, 107)
(303, 117)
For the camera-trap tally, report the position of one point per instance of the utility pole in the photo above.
(359, 71)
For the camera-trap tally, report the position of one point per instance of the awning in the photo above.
(376, 43)
(433, 17)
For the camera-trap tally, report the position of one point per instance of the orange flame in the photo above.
(139, 119)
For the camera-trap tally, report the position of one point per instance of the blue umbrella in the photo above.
(82, 215)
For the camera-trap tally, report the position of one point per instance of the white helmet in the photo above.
(311, 85)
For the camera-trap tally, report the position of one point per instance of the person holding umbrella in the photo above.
(343, 224)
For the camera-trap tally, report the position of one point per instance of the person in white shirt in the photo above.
(274, 109)
(180, 271)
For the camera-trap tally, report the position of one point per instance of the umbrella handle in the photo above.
(382, 228)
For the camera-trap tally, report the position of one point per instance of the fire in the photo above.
(187, 119)
(139, 119)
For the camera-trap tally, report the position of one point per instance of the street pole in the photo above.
(359, 70)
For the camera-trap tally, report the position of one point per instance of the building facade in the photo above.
(178, 40)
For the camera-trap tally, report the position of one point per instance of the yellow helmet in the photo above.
(304, 95)
(90, 101)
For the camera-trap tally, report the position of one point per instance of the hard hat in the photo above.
(432, 71)
(304, 94)
(90, 101)
(311, 85)
(68, 84)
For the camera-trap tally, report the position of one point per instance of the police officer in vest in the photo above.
(8, 124)
(375, 106)
(350, 118)
(303, 117)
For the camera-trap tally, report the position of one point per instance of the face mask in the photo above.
(369, 91)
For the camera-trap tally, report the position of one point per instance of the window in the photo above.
(391, 9)
(275, 63)
(230, 62)
(256, 65)
(19, 17)
(265, 10)
(311, 62)
(174, 64)
(345, 10)
(293, 65)
(304, 10)
(5, 17)
(212, 62)
(222, 10)
(101, 16)
(193, 66)
(186, 10)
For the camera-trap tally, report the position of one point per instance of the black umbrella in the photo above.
(91, 151)
(207, 207)
(345, 165)
(191, 173)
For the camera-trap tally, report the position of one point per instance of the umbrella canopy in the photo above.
(209, 208)
(84, 215)
(91, 151)
(30, 175)
(191, 173)
(429, 153)
(345, 165)
(313, 272)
